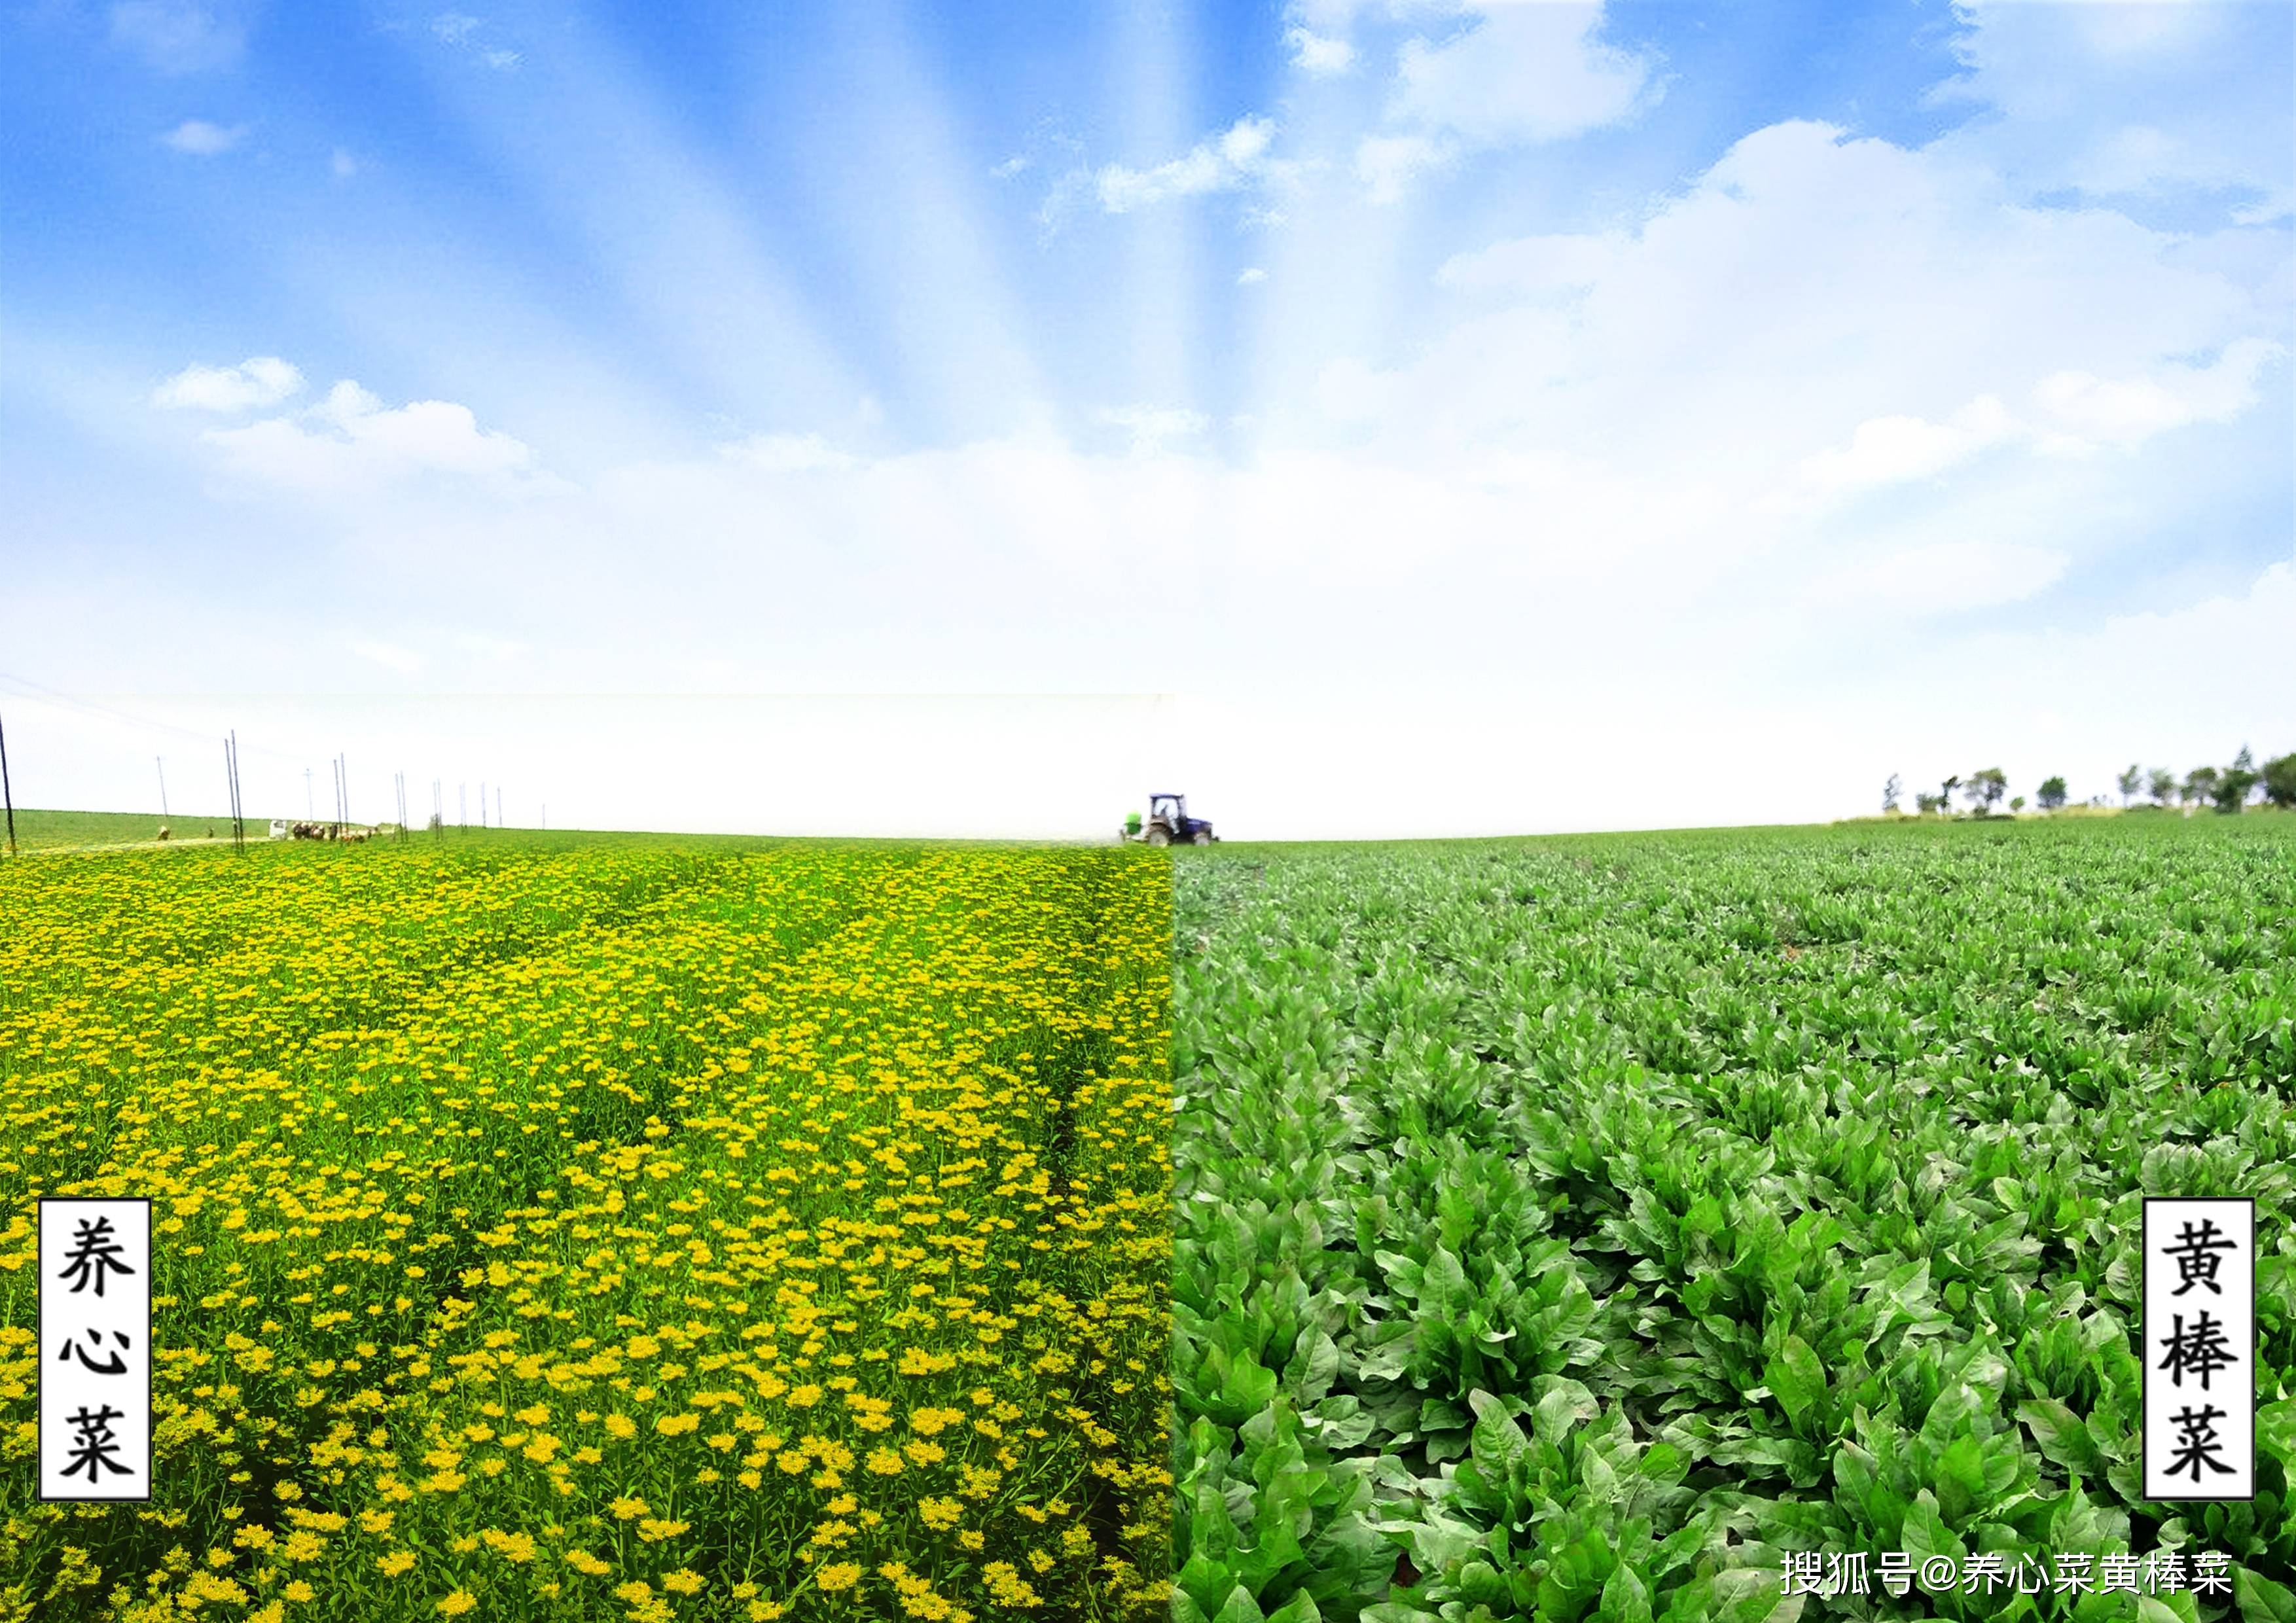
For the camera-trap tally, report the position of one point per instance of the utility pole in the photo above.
(482, 803)
(231, 779)
(399, 780)
(462, 817)
(7, 795)
(163, 787)
(498, 817)
(310, 810)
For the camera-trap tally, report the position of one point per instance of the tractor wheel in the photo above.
(1203, 836)
(1158, 836)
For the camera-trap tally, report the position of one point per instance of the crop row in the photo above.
(1576, 1228)
(629, 1231)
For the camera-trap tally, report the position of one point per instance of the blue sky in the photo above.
(1520, 405)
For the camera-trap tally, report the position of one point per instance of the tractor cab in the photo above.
(1169, 822)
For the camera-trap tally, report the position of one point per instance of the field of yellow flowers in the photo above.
(552, 1229)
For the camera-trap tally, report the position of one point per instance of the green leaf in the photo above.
(1300, 1609)
(1241, 1608)
(1498, 1443)
(1626, 1598)
(1795, 1378)
(2063, 1437)
(2261, 1600)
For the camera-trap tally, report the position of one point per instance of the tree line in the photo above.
(2228, 789)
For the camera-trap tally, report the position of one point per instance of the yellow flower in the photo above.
(844, 1575)
(684, 1581)
(620, 1425)
(396, 1562)
(509, 1546)
(299, 1592)
(628, 1508)
(455, 1605)
(677, 1425)
(884, 1463)
(583, 1562)
(302, 1547)
(655, 1532)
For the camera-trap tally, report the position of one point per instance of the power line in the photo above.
(38, 693)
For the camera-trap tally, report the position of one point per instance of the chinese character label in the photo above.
(95, 1349)
(2199, 1349)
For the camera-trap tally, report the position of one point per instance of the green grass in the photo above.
(49, 830)
(1575, 1227)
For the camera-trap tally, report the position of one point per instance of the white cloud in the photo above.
(1251, 275)
(1894, 450)
(1235, 158)
(202, 139)
(460, 30)
(1807, 284)
(2127, 99)
(1387, 164)
(177, 36)
(788, 454)
(1536, 268)
(1521, 73)
(342, 165)
(1010, 167)
(350, 443)
(1151, 427)
(262, 380)
(1319, 55)
(2129, 410)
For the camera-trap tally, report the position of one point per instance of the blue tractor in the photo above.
(1169, 822)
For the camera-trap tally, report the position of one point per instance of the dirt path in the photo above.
(125, 845)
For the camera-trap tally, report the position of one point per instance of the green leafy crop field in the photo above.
(1578, 1228)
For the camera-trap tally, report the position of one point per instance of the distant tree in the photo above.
(2017, 803)
(1945, 792)
(2280, 781)
(2130, 782)
(2200, 785)
(2163, 785)
(1985, 789)
(2236, 780)
(1889, 794)
(2051, 794)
